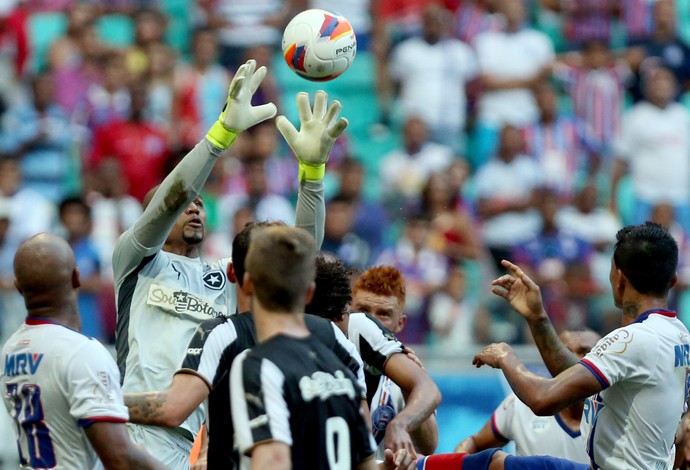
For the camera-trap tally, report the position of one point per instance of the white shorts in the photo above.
(166, 445)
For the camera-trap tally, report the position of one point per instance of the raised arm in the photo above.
(525, 297)
(312, 145)
(185, 182)
(545, 397)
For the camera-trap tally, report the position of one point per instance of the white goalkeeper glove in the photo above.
(318, 130)
(238, 113)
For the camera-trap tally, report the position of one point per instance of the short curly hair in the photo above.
(333, 292)
(382, 280)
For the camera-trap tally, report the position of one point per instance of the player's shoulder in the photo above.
(320, 327)
(363, 324)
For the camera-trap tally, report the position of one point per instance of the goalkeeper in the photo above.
(163, 289)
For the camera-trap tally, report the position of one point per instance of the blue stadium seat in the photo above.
(116, 30)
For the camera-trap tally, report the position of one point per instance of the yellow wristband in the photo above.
(221, 137)
(311, 173)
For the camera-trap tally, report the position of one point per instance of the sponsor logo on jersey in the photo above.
(214, 279)
(194, 351)
(22, 364)
(324, 385)
(615, 344)
(540, 425)
(182, 302)
(682, 355)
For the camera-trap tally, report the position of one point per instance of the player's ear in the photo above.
(674, 280)
(402, 322)
(232, 277)
(310, 293)
(76, 280)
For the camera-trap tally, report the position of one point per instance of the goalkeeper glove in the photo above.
(318, 130)
(238, 113)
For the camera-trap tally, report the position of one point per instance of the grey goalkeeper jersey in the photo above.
(162, 297)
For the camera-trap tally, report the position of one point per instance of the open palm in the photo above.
(520, 291)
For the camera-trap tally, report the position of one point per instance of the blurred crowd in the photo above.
(528, 130)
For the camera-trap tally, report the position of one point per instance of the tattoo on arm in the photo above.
(554, 353)
(146, 408)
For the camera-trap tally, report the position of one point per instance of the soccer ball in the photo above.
(319, 45)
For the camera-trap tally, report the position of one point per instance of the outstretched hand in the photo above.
(491, 355)
(520, 291)
(400, 460)
(319, 127)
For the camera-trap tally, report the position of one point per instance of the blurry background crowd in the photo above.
(479, 130)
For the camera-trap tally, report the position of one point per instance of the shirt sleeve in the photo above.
(178, 189)
(502, 418)
(259, 411)
(347, 352)
(93, 386)
(310, 213)
(375, 343)
(621, 355)
(205, 350)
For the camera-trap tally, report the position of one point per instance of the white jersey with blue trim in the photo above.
(387, 402)
(56, 382)
(643, 367)
(536, 435)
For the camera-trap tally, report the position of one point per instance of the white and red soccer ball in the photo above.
(319, 45)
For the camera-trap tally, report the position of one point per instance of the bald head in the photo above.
(580, 342)
(149, 196)
(44, 266)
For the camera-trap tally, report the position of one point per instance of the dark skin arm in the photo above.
(423, 397)
(524, 296)
(484, 439)
(115, 450)
(171, 407)
(545, 397)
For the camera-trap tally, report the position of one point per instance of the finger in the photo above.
(287, 130)
(500, 291)
(320, 100)
(236, 86)
(337, 128)
(333, 111)
(303, 109)
(265, 111)
(505, 279)
(520, 274)
(256, 79)
(251, 67)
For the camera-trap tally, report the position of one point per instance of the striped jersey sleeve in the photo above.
(259, 410)
(375, 343)
(205, 350)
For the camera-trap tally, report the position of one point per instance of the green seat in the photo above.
(44, 29)
(116, 30)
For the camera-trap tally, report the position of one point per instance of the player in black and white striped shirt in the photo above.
(294, 404)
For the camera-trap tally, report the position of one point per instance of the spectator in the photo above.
(371, 218)
(245, 23)
(67, 51)
(505, 188)
(474, 17)
(149, 29)
(139, 146)
(108, 101)
(39, 132)
(30, 213)
(458, 321)
(160, 80)
(587, 20)
(265, 204)
(425, 270)
(561, 263)
(339, 237)
(453, 230)
(404, 171)
(664, 48)
(638, 18)
(595, 84)
(654, 146)
(511, 62)
(563, 145)
(200, 86)
(14, 49)
(431, 72)
(75, 217)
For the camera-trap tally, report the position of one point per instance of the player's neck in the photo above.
(64, 316)
(183, 249)
(272, 323)
(635, 307)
